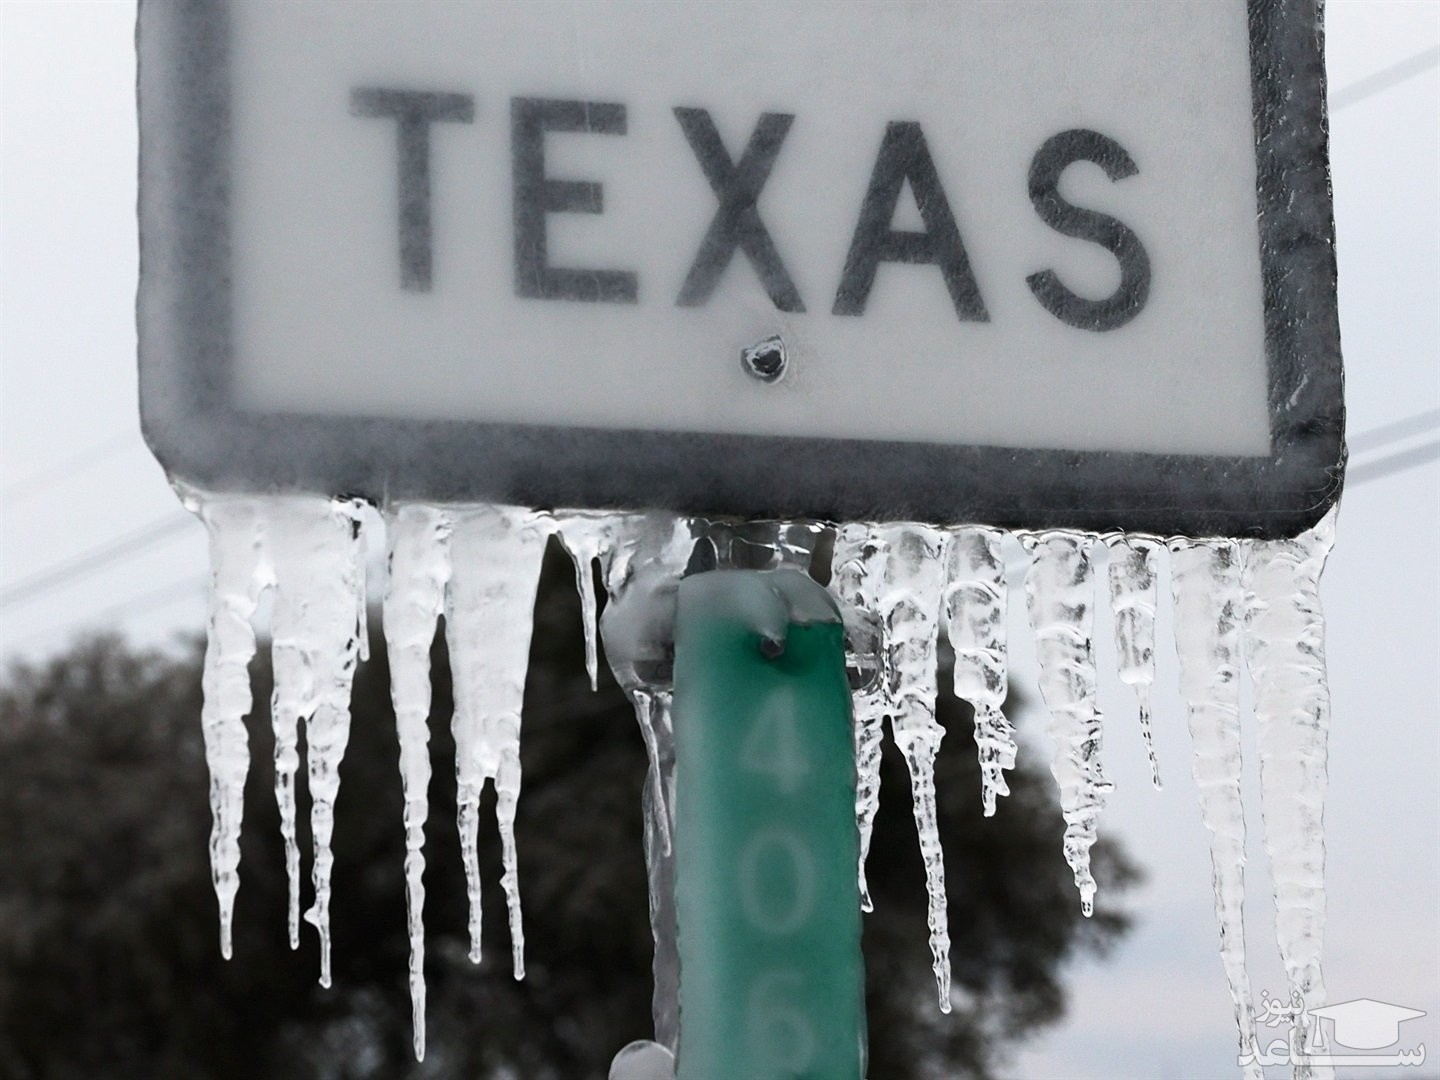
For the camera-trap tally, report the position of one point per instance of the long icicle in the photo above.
(1285, 655)
(496, 553)
(909, 591)
(852, 580)
(414, 598)
(319, 570)
(1205, 577)
(1134, 595)
(1060, 590)
(974, 607)
(239, 573)
(641, 563)
(292, 697)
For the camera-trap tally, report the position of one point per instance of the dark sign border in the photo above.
(201, 438)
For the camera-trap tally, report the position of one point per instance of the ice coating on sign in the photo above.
(238, 574)
(480, 565)
(1134, 594)
(1060, 588)
(414, 598)
(319, 564)
(974, 604)
(1205, 578)
(852, 580)
(495, 554)
(1285, 654)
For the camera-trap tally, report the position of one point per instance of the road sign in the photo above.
(1032, 264)
(767, 900)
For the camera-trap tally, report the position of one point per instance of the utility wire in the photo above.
(156, 598)
(164, 596)
(90, 561)
(47, 476)
(1393, 463)
(1385, 78)
(1376, 437)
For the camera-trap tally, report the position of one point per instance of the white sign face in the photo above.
(1029, 227)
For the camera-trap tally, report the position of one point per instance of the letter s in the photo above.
(1058, 153)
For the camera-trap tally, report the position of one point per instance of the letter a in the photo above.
(904, 156)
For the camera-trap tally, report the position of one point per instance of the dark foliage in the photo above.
(109, 964)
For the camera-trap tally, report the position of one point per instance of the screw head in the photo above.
(765, 360)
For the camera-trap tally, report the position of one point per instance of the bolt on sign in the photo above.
(1033, 264)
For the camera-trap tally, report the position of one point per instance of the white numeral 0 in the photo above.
(777, 845)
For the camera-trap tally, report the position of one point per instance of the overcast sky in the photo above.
(91, 534)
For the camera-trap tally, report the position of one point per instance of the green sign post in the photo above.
(771, 976)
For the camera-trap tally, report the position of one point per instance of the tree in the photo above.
(109, 963)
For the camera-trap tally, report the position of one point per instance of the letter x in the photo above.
(737, 223)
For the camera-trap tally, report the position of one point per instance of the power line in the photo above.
(1393, 463)
(156, 598)
(1385, 78)
(47, 476)
(119, 548)
(1377, 437)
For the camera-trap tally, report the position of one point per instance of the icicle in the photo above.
(414, 599)
(653, 707)
(974, 608)
(641, 568)
(1285, 655)
(1133, 598)
(586, 537)
(910, 602)
(1205, 577)
(903, 567)
(495, 557)
(852, 582)
(319, 568)
(285, 713)
(650, 709)
(764, 544)
(239, 574)
(1060, 589)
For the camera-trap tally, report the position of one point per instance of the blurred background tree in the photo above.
(109, 958)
